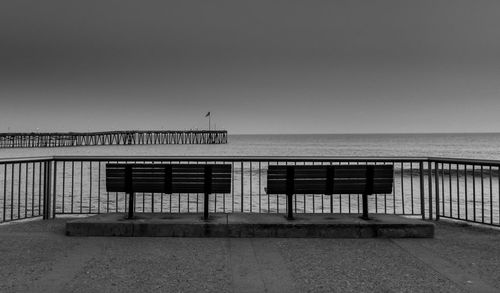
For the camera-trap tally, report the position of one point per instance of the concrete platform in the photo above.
(250, 225)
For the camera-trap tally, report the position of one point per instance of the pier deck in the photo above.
(128, 137)
(37, 256)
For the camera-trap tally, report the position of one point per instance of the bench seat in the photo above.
(328, 180)
(168, 179)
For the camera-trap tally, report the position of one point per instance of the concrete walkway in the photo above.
(36, 256)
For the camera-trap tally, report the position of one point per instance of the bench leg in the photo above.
(290, 206)
(131, 203)
(365, 207)
(205, 207)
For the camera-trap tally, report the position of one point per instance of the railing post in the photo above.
(290, 190)
(422, 192)
(54, 175)
(436, 181)
(242, 187)
(42, 190)
(429, 179)
(46, 189)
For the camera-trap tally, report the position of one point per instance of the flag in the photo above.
(208, 114)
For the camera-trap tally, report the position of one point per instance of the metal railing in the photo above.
(24, 188)
(427, 187)
(467, 190)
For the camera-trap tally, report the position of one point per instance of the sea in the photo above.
(450, 145)
(80, 186)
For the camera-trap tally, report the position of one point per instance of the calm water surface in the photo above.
(80, 186)
(473, 146)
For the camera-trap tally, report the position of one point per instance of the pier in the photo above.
(128, 137)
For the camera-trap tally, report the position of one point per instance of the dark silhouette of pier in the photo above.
(128, 137)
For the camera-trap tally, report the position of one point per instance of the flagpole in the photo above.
(209, 115)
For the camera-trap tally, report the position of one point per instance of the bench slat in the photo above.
(310, 190)
(280, 188)
(115, 186)
(159, 188)
(379, 172)
(360, 188)
(198, 191)
(312, 175)
(226, 168)
(121, 173)
(200, 188)
(276, 187)
(184, 175)
(142, 187)
(137, 187)
(360, 181)
(187, 168)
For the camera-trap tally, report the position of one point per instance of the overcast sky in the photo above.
(270, 66)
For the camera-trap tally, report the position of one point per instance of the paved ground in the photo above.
(36, 256)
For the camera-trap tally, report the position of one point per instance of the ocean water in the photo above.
(80, 186)
(451, 145)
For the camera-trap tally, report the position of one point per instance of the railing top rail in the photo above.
(242, 158)
(465, 161)
(257, 159)
(26, 159)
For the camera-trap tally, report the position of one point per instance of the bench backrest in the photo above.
(168, 178)
(335, 179)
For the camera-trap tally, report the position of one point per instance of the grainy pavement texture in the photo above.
(36, 256)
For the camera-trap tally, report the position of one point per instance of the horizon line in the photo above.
(367, 133)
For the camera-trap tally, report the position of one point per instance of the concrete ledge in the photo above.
(250, 225)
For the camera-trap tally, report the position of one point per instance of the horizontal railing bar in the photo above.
(465, 161)
(26, 159)
(241, 158)
(469, 221)
(255, 159)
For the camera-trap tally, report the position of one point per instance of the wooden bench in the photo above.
(168, 179)
(328, 180)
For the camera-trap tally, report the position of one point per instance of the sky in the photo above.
(315, 66)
